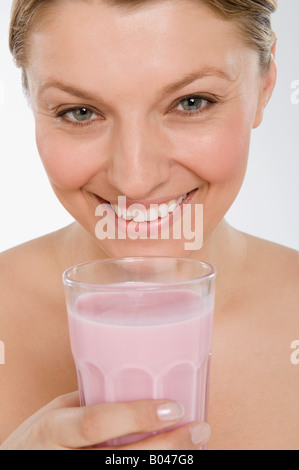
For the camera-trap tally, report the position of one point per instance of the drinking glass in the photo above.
(141, 328)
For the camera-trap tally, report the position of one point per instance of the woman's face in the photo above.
(149, 103)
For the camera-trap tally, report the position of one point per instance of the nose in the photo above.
(138, 162)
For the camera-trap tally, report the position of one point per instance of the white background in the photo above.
(267, 205)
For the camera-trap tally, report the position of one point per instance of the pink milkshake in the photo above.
(138, 343)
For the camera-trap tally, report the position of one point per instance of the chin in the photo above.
(142, 248)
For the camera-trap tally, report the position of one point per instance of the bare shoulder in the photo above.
(274, 271)
(21, 259)
(276, 265)
(30, 282)
(33, 331)
(29, 269)
(273, 252)
(30, 286)
(257, 347)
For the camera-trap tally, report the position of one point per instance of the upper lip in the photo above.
(147, 203)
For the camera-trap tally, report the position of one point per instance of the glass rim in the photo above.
(69, 282)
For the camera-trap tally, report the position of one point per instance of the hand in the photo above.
(64, 425)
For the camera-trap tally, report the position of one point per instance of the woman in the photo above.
(152, 101)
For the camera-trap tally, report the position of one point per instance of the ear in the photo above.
(267, 87)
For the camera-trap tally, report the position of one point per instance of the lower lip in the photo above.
(146, 228)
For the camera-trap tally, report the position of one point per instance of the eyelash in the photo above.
(187, 114)
(62, 117)
(210, 102)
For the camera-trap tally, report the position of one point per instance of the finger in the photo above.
(68, 400)
(192, 436)
(64, 401)
(92, 425)
(35, 430)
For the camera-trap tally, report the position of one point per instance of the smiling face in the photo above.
(150, 103)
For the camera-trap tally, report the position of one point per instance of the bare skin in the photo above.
(254, 386)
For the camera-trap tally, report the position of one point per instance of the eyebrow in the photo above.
(167, 90)
(192, 77)
(71, 90)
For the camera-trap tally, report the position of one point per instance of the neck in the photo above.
(226, 249)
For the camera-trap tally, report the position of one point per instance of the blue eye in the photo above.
(192, 103)
(80, 114)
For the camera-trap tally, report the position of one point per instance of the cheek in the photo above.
(68, 161)
(219, 154)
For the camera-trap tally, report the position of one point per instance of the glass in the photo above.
(141, 328)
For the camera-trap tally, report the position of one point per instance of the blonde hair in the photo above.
(252, 16)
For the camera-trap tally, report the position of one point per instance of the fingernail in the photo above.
(200, 433)
(170, 411)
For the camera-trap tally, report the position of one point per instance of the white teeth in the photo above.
(149, 215)
(152, 214)
(140, 217)
(117, 210)
(172, 205)
(163, 210)
(128, 216)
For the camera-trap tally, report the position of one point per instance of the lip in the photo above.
(147, 228)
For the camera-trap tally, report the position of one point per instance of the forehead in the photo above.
(91, 41)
